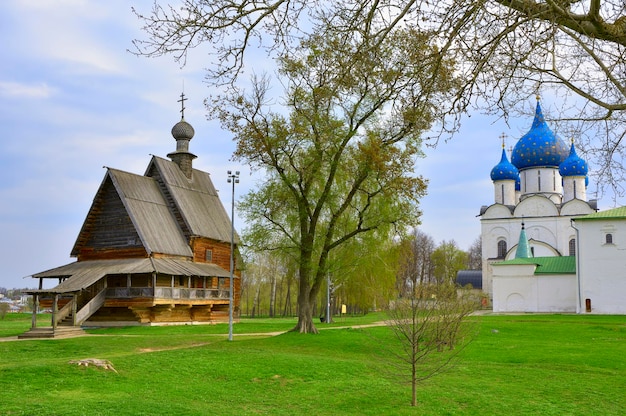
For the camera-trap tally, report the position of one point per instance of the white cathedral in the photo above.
(545, 248)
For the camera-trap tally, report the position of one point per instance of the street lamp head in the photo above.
(232, 176)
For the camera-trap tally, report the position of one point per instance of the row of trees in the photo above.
(362, 278)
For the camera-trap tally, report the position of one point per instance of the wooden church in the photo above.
(154, 249)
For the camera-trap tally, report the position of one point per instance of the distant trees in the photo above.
(475, 255)
(447, 260)
(4, 309)
(416, 268)
(267, 286)
(363, 275)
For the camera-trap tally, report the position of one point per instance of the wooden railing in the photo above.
(90, 308)
(166, 293)
(62, 313)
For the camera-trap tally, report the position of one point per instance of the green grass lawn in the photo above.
(517, 365)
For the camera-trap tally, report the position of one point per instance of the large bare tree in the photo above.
(506, 51)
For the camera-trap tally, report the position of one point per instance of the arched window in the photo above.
(572, 247)
(501, 249)
(608, 238)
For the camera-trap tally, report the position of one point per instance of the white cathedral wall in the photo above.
(576, 207)
(549, 230)
(574, 188)
(548, 236)
(504, 192)
(602, 267)
(517, 289)
(538, 180)
(514, 288)
(536, 206)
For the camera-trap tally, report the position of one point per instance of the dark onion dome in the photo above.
(573, 165)
(504, 170)
(540, 147)
(518, 184)
(182, 130)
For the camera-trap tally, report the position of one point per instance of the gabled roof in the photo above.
(196, 200)
(164, 206)
(148, 211)
(615, 213)
(546, 265)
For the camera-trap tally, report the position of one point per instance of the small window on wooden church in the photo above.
(208, 255)
(572, 247)
(608, 238)
(501, 249)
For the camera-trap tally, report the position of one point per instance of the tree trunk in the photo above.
(287, 309)
(272, 295)
(305, 317)
(256, 302)
(306, 300)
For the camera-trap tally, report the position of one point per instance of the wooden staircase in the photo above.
(66, 324)
(47, 332)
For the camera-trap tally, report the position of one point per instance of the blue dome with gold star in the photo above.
(573, 165)
(540, 147)
(504, 170)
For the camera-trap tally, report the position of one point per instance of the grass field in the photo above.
(517, 365)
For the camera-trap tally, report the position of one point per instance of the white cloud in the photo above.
(68, 31)
(25, 90)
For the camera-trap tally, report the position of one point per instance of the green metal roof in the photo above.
(546, 265)
(602, 215)
(523, 248)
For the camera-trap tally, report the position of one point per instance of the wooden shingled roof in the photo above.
(164, 206)
(196, 200)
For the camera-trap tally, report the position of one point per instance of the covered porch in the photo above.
(141, 291)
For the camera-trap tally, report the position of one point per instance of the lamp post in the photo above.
(232, 178)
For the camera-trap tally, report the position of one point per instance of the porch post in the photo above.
(55, 310)
(74, 306)
(154, 281)
(35, 309)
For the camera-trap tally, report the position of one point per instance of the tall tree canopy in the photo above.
(505, 50)
(340, 163)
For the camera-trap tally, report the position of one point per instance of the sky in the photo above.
(74, 100)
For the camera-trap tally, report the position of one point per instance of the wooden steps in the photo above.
(49, 332)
